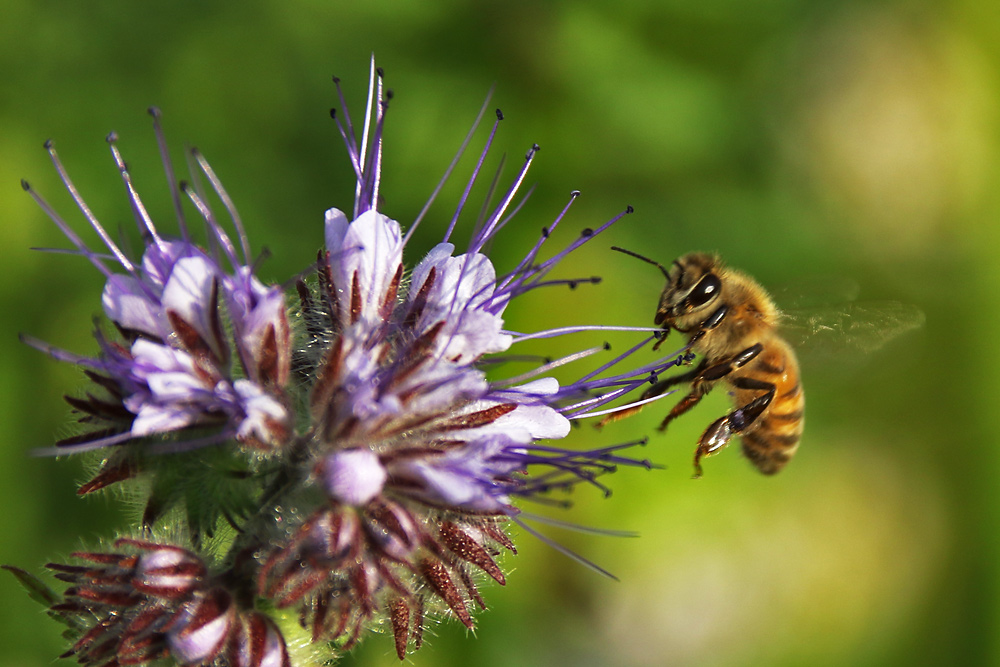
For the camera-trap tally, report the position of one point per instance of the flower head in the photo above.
(182, 312)
(378, 484)
(148, 601)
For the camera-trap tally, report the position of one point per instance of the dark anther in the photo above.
(587, 232)
(333, 113)
(644, 442)
(572, 284)
(629, 209)
(336, 79)
(154, 112)
(388, 94)
(499, 114)
(25, 185)
(183, 185)
(607, 346)
(48, 144)
(380, 71)
(545, 232)
(574, 194)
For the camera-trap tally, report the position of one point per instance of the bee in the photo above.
(732, 324)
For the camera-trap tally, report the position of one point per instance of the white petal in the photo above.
(523, 424)
(188, 292)
(174, 386)
(541, 387)
(261, 410)
(335, 230)
(153, 418)
(539, 420)
(126, 302)
(190, 647)
(354, 476)
(463, 286)
(434, 259)
(159, 259)
(370, 251)
(150, 358)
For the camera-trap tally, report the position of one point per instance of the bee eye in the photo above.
(704, 291)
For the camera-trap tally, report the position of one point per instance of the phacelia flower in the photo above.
(326, 465)
(150, 601)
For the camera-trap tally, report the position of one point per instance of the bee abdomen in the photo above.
(773, 440)
(769, 450)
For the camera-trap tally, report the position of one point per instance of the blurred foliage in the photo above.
(797, 138)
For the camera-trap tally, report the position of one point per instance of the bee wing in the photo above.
(851, 328)
(815, 293)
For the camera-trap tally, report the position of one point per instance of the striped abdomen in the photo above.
(772, 439)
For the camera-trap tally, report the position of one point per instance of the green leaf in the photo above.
(37, 589)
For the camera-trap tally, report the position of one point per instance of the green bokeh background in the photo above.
(802, 140)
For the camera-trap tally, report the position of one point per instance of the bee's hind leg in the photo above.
(718, 434)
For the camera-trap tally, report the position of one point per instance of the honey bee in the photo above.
(732, 324)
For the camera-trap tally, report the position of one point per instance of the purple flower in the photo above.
(147, 601)
(366, 469)
(174, 371)
(421, 457)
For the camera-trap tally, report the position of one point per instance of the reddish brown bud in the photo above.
(399, 614)
(467, 548)
(436, 574)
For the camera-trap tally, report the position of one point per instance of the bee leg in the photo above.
(698, 392)
(652, 392)
(702, 381)
(705, 377)
(741, 419)
(715, 437)
(714, 320)
(661, 336)
(718, 434)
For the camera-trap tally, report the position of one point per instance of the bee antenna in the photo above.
(645, 259)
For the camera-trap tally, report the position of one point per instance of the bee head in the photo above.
(693, 286)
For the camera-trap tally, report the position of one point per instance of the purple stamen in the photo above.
(142, 216)
(473, 176)
(230, 208)
(168, 169)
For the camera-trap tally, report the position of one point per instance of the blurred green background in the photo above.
(799, 139)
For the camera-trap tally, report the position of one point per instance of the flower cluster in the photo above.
(161, 604)
(319, 467)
